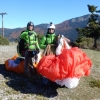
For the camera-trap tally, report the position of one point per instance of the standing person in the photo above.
(47, 41)
(28, 46)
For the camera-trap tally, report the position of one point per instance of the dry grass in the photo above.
(7, 52)
(16, 87)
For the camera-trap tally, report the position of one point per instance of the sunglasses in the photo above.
(51, 28)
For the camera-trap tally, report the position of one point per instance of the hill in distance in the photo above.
(67, 28)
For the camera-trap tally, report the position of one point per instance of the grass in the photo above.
(16, 87)
(94, 83)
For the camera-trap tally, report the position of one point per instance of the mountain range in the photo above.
(67, 28)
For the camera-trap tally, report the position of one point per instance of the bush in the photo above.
(85, 43)
(4, 41)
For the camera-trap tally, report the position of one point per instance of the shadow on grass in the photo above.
(28, 86)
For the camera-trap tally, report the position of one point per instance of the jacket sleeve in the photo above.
(42, 43)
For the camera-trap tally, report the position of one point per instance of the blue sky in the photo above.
(19, 12)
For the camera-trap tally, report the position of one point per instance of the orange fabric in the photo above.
(71, 63)
(35, 65)
(19, 68)
(13, 58)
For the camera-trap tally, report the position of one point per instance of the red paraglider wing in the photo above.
(70, 63)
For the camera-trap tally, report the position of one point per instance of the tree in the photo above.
(93, 26)
(80, 34)
(92, 8)
(82, 41)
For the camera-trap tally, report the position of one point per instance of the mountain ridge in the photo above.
(67, 28)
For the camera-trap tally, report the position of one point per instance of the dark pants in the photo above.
(28, 65)
(28, 60)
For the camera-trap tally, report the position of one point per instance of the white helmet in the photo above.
(51, 26)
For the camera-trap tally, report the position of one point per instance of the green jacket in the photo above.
(31, 41)
(48, 39)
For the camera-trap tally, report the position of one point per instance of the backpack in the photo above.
(21, 46)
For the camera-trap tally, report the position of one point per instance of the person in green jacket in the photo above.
(29, 46)
(49, 39)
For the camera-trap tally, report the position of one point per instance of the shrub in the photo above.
(4, 41)
(84, 42)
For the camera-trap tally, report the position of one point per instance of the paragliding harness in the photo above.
(48, 49)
